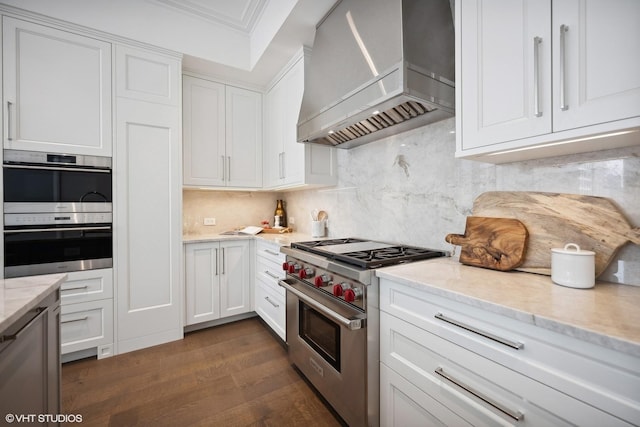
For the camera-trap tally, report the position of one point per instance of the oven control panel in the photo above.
(338, 287)
(46, 219)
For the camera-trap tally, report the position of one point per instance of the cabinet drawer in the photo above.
(599, 376)
(89, 285)
(270, 251)
(271, 307)
(86, 325)
(270, 272)
(405, 405)
(480, 390)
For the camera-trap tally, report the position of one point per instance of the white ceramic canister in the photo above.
(317, 228)
(573, 267)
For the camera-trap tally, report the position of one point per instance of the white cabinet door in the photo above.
(204, 132)
(147, 76)
(288, 163)
(147, 223)
(56, 90)
(506, 90)
(218, 280)
(600, 53)
(202, 282)
(235, 278)
(244, 138)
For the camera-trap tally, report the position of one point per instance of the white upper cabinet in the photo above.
(56, 90)
(532, 73)
(222, 130)
(288, 163)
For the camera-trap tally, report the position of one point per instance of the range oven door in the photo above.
(32, 251)
(327, 342)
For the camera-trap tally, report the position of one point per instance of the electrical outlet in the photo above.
(292, 220)
(209, 221)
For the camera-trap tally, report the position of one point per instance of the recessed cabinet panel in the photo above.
(244, 138)
(147, 76)
(56, 90)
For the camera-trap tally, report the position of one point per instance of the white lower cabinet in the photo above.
(270, 301)
(448, 363)
(86, 322)
(218, 283)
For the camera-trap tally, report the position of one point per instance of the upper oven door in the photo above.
(56, 186)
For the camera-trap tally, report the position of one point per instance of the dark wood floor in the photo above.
(231, 375)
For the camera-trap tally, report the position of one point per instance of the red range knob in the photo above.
(349, 295)
(306, 272)
(321, 280)
(285, 266)
(294, 268)
(337, 290)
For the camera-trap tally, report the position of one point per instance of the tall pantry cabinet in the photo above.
(147, 217)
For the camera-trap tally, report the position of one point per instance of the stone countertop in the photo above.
(19, 295)
(606, 315)
(283, 239)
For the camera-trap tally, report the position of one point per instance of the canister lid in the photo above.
(575, 251)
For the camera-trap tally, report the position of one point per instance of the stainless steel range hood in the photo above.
(378, 67)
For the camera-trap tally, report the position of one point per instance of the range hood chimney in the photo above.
(378, 67)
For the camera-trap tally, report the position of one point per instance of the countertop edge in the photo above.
(51, 283)
(559, 326)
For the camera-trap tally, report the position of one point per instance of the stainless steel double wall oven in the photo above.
(57, 213)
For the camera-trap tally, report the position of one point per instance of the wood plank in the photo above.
(234, 374)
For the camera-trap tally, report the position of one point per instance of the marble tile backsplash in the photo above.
(410, 188)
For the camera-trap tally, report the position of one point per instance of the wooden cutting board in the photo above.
(496, 243)
(554, 219)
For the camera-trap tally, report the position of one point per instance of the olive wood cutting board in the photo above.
(554, 219)
(496, 243)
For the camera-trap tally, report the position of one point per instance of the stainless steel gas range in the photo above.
(333, 318)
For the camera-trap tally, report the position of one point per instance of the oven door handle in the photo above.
(351, 324)
(56, 168)
(40, 230)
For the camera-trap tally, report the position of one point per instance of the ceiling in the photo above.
(239, 41)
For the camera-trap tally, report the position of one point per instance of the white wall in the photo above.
(409, 188)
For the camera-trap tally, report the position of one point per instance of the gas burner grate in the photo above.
(387, 256)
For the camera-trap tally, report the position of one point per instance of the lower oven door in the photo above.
(55, 250)
(327, 342)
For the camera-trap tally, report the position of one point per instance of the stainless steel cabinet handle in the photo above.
(80, 319)
(271, 252)
(74, 288)
(9, 120)
(536, 75)
(271, 302)
(223, 261)
(516, 415)
(224, 169)
(563, 31)
(270, 274)
(37, 313)
(509, 343)
(216, 261)
(229, 168)
(280, 165)
(284, 172)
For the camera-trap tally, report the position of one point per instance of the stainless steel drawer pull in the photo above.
(271, 302)
(80, 319)
(271, 252)
(536, 75)
(516, 415)
(270, 274)
(76, 288)
(512, 344)
(563, 54)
